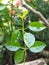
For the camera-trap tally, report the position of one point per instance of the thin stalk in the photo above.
(23, 39)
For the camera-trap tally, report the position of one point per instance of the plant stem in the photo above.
(23, 28)
(23, 39)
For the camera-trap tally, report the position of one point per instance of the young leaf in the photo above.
(29, 39)
(24, 13)
(36, 26)
(18, 57)
(37, 47)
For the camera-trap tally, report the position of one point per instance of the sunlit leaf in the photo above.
(37, 47)
(25, 13)
(36, 26)
(29, 39)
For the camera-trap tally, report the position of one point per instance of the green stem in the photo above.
(23, 28)
(23, 39)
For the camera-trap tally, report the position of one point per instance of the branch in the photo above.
(36, 12)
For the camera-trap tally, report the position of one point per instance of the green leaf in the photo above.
(11, 46)
(14, 44)
(36, 26)
(15, 35)
(2, 7)
(17, 21)
(37, 47)
(18, 57)
(29, 39)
